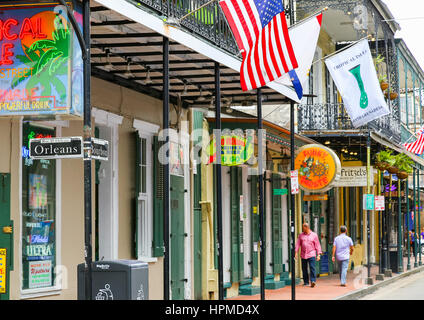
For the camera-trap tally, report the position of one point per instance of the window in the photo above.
(38, 214)
(144, 202)
(144, 189)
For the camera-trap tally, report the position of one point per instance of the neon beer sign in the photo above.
(37, 61)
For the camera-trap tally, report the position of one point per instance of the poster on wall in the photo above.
(40, 64)
(37, 191)
(40, 274)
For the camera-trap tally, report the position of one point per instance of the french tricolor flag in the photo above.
(304, 38)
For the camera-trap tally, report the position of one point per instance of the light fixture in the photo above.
(148, 79)
(327, 142)
(351, 153)
(129, 74)
(201, 97)
(108, 65)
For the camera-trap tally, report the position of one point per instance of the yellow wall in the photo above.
(110, 97)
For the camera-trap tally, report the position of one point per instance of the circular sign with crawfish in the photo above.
(318, 166)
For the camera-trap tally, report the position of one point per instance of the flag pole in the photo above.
(344, 48)
(307, 18)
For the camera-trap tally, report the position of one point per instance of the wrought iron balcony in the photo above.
(208, 22)
(333, 117)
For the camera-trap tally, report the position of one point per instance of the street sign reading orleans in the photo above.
(41, 69)
(56, 148)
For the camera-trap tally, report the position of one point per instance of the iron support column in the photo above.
(408, 244)
(261, 193)
(399, 227)
(418, 230)
(292, 206)
(218, 179)
(415, 222)
(165, 117)
(87, 152)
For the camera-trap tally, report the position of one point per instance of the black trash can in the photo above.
(116, 280)
(394, 258)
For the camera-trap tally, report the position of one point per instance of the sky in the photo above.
(412, 28)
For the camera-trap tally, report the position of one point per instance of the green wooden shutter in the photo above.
(237, 270)
(158, 246)
(255, 222)
(277, 235)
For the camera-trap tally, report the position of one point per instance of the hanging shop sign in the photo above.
(235, 150)
(2, 270)
(319, 168)
(56, 148)
(41, 69)
(354, 177)
(315, 197)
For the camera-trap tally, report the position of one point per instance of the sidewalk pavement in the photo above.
(328, 287)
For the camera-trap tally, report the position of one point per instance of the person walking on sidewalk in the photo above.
(310, 251)
(342, 249)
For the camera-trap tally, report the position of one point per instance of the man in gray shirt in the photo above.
(342, 249)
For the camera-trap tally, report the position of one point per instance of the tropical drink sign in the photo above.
(235, 150)
(319, 168)
(40, 63)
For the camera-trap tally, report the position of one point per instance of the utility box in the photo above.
(116, 280)
(394, 259)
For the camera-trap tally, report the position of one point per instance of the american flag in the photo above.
(417, 146)
(260, 30)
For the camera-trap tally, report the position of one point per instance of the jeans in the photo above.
(343, 265)
(311, 263)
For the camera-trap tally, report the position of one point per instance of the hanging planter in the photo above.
(402, 175)
(384, 85)
(403, 163)
(384, 160)
(392, 170)
(393, 95)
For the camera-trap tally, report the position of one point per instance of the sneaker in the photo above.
(343, 285)
(306, 284)
(312, 284)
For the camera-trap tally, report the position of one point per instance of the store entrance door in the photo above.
(6, 237)
(177, 235)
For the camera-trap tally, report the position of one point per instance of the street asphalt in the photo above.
(408, 288)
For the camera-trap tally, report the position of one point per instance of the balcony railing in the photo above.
(333, 117)
(208, 22)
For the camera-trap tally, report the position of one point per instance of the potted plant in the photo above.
(393, 95)
(384, 159)
(404, 164)
(382, 78)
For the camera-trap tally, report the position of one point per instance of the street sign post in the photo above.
(368, 202)
(294, 181)
(56, 148)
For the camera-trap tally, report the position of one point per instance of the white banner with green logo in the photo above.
(354, 73)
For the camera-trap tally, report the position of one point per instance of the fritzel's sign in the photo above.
(235, 150)
(40, 63)
(318, 166)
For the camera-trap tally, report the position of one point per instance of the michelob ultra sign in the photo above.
(235, 150)
(41, 70)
